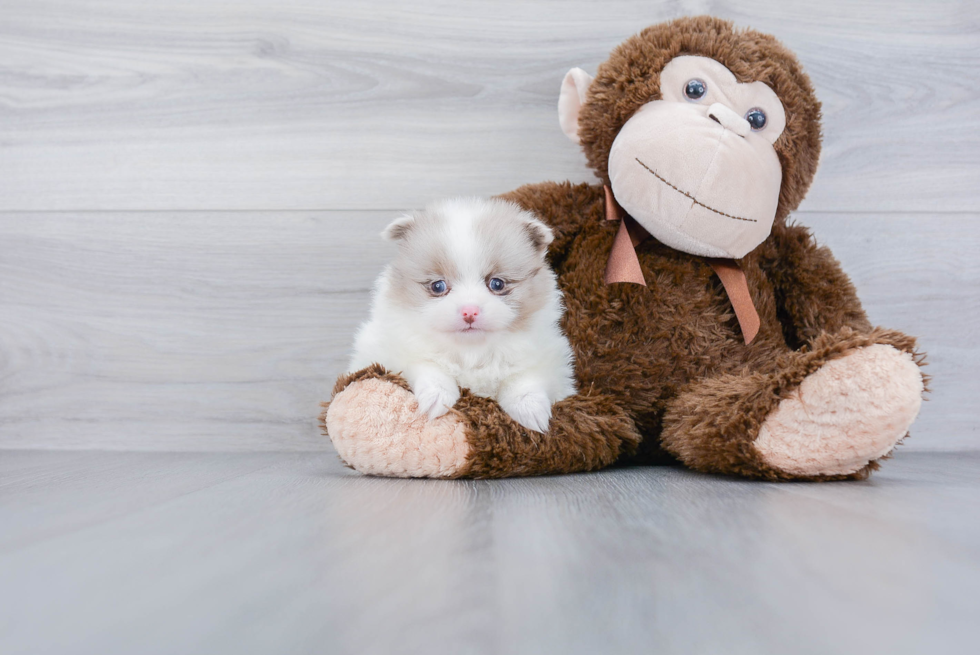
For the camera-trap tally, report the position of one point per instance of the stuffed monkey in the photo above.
(706, 327)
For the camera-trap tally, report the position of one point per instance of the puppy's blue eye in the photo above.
(695, 89)
(438, 287)
(496, 284)
(756, 118)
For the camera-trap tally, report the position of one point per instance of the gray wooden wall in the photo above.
(191, 190)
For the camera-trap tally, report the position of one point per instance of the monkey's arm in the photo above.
(564, 206)
(375, 426)
(813, 294)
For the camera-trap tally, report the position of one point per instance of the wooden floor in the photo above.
(110, 553)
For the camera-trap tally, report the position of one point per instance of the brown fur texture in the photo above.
(662, 370)
(586, 433)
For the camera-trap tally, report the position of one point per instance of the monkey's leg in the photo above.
(827, 413)
(374, 424)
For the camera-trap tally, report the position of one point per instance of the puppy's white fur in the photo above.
(512, 350)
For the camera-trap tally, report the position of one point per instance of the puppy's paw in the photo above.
(435, 396)
(531, 409)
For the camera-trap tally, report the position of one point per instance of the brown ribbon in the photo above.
(737, 287)
(624, 266)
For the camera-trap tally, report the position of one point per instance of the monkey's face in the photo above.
(697, 168)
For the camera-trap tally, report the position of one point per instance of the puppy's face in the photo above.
(469, 267)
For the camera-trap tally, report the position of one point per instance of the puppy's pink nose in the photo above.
(469, 312)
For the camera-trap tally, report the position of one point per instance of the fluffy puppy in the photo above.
(469, 301)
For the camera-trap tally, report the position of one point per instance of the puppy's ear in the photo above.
(540, 234)
(574, 89)
(399, 228)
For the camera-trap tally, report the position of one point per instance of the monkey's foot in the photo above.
(376, 428)
(850, 412)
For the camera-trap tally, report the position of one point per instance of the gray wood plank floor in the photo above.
(291, 553)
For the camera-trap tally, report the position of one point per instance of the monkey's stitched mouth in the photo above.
(688, 195)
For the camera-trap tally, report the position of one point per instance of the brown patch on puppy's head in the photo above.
(630, 78)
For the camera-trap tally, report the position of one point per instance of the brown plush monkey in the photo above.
(705, 327)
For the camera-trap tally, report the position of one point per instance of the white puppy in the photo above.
(469, 301)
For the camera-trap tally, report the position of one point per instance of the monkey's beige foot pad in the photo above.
(376, 428)
(851, 411)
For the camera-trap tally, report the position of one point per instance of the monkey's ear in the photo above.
(574, 88)
(399, 228)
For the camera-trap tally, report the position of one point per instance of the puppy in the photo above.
(469, 301)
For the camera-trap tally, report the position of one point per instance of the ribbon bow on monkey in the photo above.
(624, 266)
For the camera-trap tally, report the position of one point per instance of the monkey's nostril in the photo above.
(714, 118)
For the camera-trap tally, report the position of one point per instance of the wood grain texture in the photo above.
(256, 105)
(190, 197)
(164, 331)
(223, 330)
(292, 553)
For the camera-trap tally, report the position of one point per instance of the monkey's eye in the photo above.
(695, 89)
(496, 284)
(438, 287)
(756, 118)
